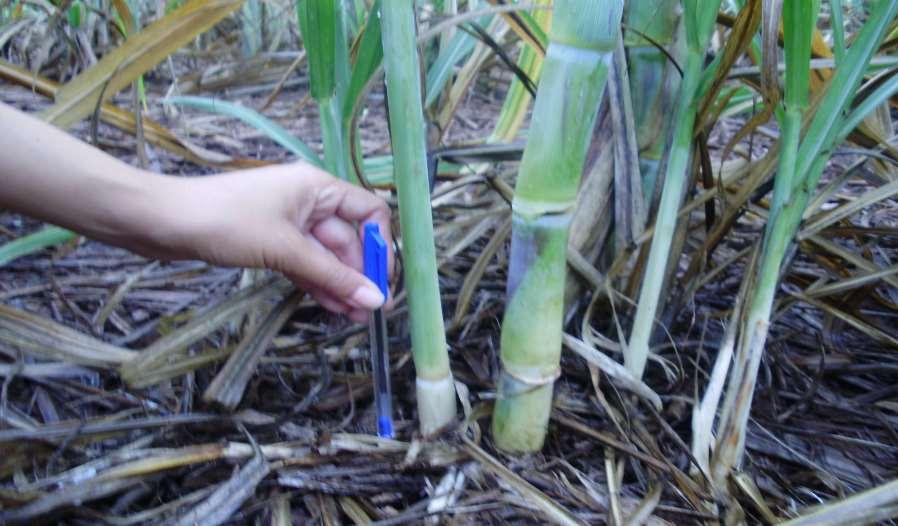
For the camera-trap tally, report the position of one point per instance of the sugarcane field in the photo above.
(334, 262)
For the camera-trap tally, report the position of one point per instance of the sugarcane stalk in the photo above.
(434, 384)
(801, 164)
(654, 80)
(700, 21)
(581, 46)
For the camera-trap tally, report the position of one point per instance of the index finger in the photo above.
(355, 204)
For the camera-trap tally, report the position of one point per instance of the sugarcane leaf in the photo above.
(31, 243)
(154, 133)
(318, 24)
(866, 507)
(460, 46)
(838, 29)
(75, 494)
(271, 129)
(860, 280)
(740, 38)
(860, 262)
(527, 27)
(199, 327)
(226, 389)
(368, 55)
(468, 72)
(546, 505)
(799, 18)
(840, 93)
(39, 336)
(517, 99)
(76, 14)
(617, 372)
(137, 55)
(218, 507)
(251, 23)
(472, 279)
(881, 95)
(870, 197)
(121, 7)
(699, 18)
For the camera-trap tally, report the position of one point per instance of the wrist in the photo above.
(147, 212)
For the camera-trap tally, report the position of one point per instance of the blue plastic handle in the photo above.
(375, 249)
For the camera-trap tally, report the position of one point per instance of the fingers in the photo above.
(307, 262)
(354, 204)
(336, 306)
(338, 236)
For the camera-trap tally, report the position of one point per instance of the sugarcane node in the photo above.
(512, 384)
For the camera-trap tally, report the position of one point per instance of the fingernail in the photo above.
(367, 297)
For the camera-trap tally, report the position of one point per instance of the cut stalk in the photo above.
(581, 46)
(699, 27)
(434, 384)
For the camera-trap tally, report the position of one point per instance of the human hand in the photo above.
(292, 218)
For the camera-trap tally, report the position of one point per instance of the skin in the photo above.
(292, 218)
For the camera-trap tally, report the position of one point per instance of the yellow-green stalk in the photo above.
(434, 385)
(581, 46)
(699, 17)
(799, 171)
(653, 79)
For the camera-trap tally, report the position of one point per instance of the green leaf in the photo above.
(318, 25)
(273, 130)
(461, 45)
(46, 237)
(881, 96)
(369, 56)
(838, 27)
(842, 87)
(798, 21)
(76, 13)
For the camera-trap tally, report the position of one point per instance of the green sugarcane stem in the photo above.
(785, 178)
(800, 169)
(653, 81)
(778, 238)
(671, 198)
(575, 70)
(531, 330)
(776, 242)
(435, 388)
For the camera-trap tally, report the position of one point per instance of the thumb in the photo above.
(311, 263)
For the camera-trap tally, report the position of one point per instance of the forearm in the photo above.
(48, 174)
(292, 218)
